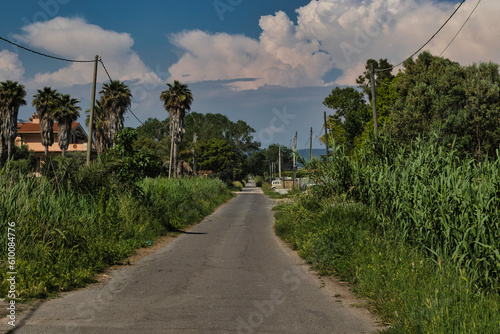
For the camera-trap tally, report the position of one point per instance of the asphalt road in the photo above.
(229, 274)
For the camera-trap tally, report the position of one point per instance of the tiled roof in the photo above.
(29, 127)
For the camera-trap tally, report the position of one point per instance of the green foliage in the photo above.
(383, 77)
(64, 238)
(351, 115)
(154, 139)
(23, 160)
(462, 104)
(217, 126)
(237, 185)
(218, 156)
(131, 166)
(258, 181)
(433, 199)
(410, 291)
(179, 202)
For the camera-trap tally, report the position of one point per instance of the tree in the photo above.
(130, 165)
(46, 102)
(351, 114)
(429, 90)
(115, 99)
(481, 118)
(66, 113)
(153, 138)
(12, 97)
(177, 100)
(218, 156)
(99, 128)
(382, 77)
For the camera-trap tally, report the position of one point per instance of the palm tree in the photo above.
(99, 128)
(46, 102)
(66, 113)
(115, 99)
(12, 97)
(177, 100)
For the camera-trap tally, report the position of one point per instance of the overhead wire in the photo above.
(46, 55)
(423, 46)
(463, 25)
(110, 79)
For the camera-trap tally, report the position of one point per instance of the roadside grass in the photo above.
(411, 290)
(63, 238)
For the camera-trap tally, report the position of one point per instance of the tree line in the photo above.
(430, 97)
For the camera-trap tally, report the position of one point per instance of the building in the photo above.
(28, 133)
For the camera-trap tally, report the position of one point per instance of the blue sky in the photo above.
(269, 63)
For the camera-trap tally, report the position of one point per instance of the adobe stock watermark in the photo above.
(49, 9)
(277, 124)
(291, 281)
(223, 6)
(363, 37)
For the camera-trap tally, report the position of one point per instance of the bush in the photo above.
(237, 185)
(258, 181)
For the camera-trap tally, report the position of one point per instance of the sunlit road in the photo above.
(229, 274)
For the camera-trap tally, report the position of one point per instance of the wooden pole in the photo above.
(311, 145)
(92, 101)
(326, 139)
(374, 102)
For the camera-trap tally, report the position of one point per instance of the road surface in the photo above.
(229, 274)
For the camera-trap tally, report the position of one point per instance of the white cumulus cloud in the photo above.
(336, 34)
(11, 67)
(74, 38)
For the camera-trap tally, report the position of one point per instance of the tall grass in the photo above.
(63, 237)
(408, 290)
(448, 206)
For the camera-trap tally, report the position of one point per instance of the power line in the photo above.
(67, 60)
(110, 79)
(423, 46)
(105, 69)
(46, 55)
(463, 25)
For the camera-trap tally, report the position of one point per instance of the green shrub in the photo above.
(258, 181)
(237, 185)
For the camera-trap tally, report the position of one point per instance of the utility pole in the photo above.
(91, 120)
(326, 139)
(279, 162)
(311, 145)
(195, 157)
(294, 159)
(374, 102)
(270, 172)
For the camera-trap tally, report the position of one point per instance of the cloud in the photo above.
(11, 67)
(74, 38)
(334, 34)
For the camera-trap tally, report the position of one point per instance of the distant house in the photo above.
(28, 133)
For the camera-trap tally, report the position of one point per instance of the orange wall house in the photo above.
(28, 133)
